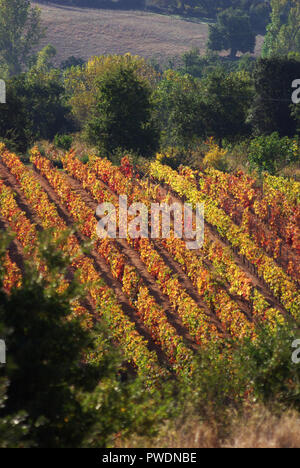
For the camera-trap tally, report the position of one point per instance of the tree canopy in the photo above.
(283, 32)
(232, 31)
(121, 117)
(271, 110)
(20, 32)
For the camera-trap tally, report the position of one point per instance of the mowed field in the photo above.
(84, 32)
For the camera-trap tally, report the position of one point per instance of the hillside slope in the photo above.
(86, 32)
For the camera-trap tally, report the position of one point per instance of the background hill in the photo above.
(84, 32)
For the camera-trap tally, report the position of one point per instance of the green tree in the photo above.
(65, 384)
(13, 427)
(283, 32)
(20, 33)
(71, 62)
(35, 108)
(271, 153)
(189, 109)
(44, 60)
(81, 83)
(259, 16)
(226, 100)
(232, 31)
(122, 114)
(271, 110)
(62, 381)
(178, 110)
(46, 378)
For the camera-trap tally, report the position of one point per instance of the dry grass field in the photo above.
(84, 32)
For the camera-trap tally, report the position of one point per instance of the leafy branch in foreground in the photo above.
(64, 377)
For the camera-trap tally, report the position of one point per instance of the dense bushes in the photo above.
(121, 117)
(50, 390)
(35, 108)
(121, 103)
(63, 141)
(271, 153)
(188, 109)
(272, 107)
(64, 384)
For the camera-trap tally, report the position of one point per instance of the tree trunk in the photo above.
(233, 53)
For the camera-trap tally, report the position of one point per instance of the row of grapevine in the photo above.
(270, 225)
(216, 298)
(12, 277)
(289, 188)
(197, 322)
(227, 311)
(123, 330)
(231, 318)
(150, 312)
(277, 280)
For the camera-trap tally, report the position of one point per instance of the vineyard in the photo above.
(161, 302)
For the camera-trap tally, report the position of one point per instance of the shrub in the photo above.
(173, 157)
(272, 153)
(63, 141)
(34, 110)
(215, 157)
